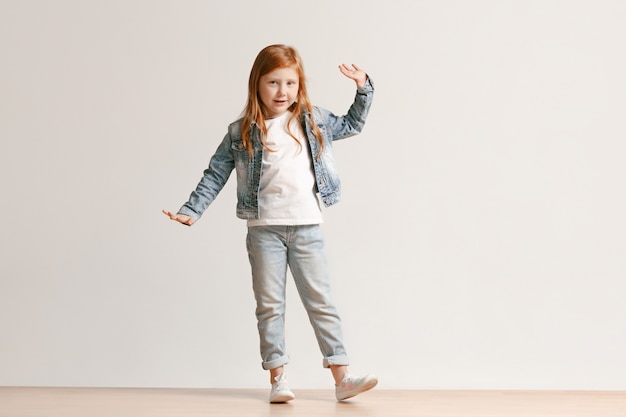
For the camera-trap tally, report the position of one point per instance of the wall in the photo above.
(479, 243)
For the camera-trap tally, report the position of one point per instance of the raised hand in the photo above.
(354, 73)
(180, 218)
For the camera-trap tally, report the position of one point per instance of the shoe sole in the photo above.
(282, 398)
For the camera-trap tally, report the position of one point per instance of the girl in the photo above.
(281, 150)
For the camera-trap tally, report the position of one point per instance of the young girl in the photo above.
(281, 150)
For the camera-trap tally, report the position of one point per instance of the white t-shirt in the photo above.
(287, 188)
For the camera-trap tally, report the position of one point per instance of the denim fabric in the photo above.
(232, 154)
(271, 250)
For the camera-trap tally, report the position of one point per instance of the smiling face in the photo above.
(278, 90)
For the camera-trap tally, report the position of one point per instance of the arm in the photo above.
(353, 122)
(213, 180)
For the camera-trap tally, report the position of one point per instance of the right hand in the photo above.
(180, 218)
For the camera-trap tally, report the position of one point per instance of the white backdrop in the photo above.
(480, 240)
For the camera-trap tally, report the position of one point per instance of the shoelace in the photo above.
(280, 383)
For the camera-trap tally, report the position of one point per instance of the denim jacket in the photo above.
(232, 154)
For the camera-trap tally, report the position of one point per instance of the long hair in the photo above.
(270, 58)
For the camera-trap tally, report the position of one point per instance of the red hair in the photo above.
(270, 58)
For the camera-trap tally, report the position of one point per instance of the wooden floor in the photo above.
(122, 402)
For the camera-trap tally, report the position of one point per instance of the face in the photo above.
(278, 90)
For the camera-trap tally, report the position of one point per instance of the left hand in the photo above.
(354, 73)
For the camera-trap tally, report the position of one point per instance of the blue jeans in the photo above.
(271, 249)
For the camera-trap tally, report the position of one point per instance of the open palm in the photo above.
(354, 73)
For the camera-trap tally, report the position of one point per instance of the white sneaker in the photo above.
(351, 386)
(280, 391)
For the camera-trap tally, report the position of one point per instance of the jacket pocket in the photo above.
(237, 146)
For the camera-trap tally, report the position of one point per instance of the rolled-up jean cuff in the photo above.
(336, 360)
(275, 363)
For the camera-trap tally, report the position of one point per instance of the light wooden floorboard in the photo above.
(135, 402)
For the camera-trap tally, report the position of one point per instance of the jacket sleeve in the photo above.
(351, 123)
(213, 180)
